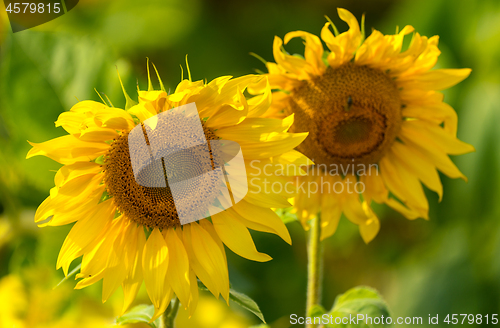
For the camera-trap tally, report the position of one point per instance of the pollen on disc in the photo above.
(153, 207)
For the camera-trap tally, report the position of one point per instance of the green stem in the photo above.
(314, 266)
(168, 317)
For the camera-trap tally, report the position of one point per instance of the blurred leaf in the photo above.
(316, 311)
(41, 76)
(140, 313)
(286, 215)
(359, 300)
(72, 273)
(242, 300)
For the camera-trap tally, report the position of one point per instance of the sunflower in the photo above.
(378, 126)
(128, 233)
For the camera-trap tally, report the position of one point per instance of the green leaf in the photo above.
(316, 311)
(140, 313)
(246, 302)
(359, 300)
(242, 300)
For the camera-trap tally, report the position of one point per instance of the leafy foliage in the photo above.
(246, 302)
(359, 300)
(140, 313)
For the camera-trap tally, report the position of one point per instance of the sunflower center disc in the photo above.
(154, 207)
(352, 114)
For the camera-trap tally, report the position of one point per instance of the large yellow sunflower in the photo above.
(377, 123)
(128, 233)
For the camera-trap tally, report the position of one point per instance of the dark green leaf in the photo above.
(246, 302)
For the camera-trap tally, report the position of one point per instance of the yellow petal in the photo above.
(397, 206)
(330, 215)
(115, 269)
(255, 129)
(154, 267)
(94, 254)
(151, 96)
(295, 162)
(235, 86)
(439, 79)
(207, 276)
(258, 105)
(208, 254)
(178, 267)
(292, 64)
(260, 198)
(235, 235)
(313, 52)
(65, 149)
(63, 215)
(80, 186)
(417, 163)
(115, 118)
(193, 301)
(433, 151)
(404, 185)
(436, 113)
(421, 130)
(369, 229)
(353, 208)
(72, 171)
(142, 111)
(208, 227)
(261, 219)
(133, 264)
(71, 121)
(97, 134)
(281, 144)
(344, 45)
(88, 107)
(227, 115)
(83, 233)
(374, 186)
(307, 204)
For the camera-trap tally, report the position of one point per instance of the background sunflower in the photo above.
(377, 123)
(447, 265)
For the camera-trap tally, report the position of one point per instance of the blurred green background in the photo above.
(450, 264)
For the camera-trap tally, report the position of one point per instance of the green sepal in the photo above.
(128, 101)
(99, 160)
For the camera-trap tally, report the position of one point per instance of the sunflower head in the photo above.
(128, 226)
(375, 116)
